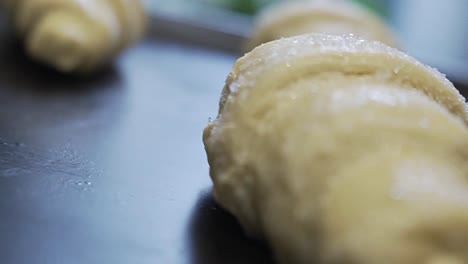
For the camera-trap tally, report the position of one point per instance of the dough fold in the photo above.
(336, 150)
(77, 35)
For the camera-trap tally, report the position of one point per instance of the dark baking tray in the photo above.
(111, 168)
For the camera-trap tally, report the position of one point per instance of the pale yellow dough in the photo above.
(77, 35)
(338, 150)
(291, 18)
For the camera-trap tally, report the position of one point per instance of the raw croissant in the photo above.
(338, 150)
(290, 18)
(77, 35)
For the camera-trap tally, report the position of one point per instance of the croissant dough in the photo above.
(77, 35)
(340, 150)
(290, 18)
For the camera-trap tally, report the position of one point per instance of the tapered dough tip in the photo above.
(62, 40)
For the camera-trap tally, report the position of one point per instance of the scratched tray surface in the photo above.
(111, 169)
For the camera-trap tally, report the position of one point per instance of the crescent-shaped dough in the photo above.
(77, 35)
(291, 18)
(340, 150)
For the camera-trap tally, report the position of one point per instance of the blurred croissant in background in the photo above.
(77, 35)
(291, 18)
